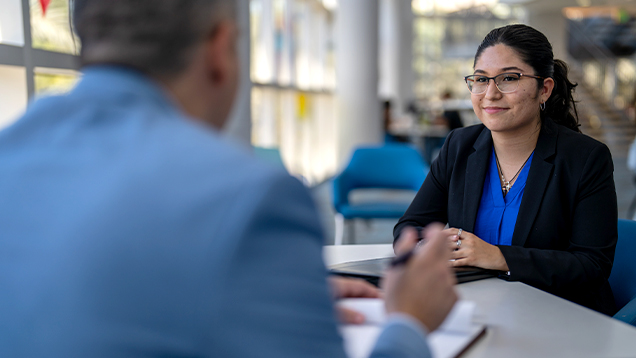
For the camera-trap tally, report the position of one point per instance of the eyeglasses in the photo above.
(507, 82)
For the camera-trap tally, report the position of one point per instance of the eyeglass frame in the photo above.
(521, 75)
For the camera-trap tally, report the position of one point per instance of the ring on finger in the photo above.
(459, 243)
(459, 233)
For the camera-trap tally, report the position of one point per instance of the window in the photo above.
(41, 63)
(50, 81)
(292, 67)
(52, 30)
(445, 42)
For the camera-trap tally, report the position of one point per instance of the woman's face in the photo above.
(513, 113)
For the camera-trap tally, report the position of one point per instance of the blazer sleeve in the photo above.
(587, 254)
(277, 302)
(431, 201)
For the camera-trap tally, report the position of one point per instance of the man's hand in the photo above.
(423, 287)
(342, 287)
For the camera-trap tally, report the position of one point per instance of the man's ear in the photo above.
(220, 52)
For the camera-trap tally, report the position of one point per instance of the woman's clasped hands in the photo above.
(469, 250)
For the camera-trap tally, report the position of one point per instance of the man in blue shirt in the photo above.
(129, 227)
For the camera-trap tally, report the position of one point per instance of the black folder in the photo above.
(372, 271)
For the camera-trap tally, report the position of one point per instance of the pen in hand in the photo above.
(404, 258)
(421, 233)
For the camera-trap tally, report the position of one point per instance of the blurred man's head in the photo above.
(188, 45)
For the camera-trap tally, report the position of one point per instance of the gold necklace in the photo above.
(505, 188)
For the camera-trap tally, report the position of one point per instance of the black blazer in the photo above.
(565, 234)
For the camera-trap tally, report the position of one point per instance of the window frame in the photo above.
(30, 58)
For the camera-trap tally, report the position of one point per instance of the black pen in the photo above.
(402, 259)
(405, 257)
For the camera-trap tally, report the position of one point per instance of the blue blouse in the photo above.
(497, 214)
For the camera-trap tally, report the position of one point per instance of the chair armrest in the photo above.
(627, 314)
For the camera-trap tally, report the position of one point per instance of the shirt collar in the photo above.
(109, 81)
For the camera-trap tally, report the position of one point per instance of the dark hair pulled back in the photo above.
(534, 49)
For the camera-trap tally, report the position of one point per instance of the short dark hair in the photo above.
(535, 50)
(156, 37)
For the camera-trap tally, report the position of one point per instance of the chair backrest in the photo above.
(391, 166)
(270, 155)
(623, 276)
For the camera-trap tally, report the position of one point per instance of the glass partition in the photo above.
(51, 30)
(301, 126)
(43, 64)
(292, 68)
(445, 43)
(51, 81)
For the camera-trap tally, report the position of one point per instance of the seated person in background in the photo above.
(129, 227)
(525, 192)
(387, 119)
(450, 118)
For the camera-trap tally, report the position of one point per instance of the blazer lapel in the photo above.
(536, 183)
(476, 168)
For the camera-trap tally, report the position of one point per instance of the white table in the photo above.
(523, 321)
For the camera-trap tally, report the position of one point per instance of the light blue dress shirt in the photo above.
(128, 229)
(497, 214)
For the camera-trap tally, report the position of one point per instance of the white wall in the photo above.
(11, 31)
(13, 94)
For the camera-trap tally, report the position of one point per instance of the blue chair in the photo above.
(392, 166)
(270, 155)
(623, 276)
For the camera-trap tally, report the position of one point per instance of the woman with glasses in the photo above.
(525, 193)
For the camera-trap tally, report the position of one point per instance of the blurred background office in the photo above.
(318, 73)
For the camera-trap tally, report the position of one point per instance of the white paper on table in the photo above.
(460, 318)
(372, 308)
(455, 333)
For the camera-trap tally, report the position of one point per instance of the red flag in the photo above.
(45, 4)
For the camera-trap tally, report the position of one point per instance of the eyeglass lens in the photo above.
(506, 82)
